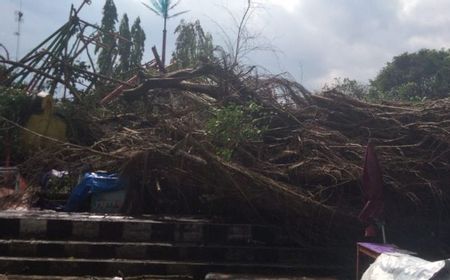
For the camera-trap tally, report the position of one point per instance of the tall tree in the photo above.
(424, 74)
(192, 45)
(162, 9)
(124, 46)
(138, 43)
(106, 56)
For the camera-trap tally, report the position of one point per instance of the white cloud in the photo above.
(408, 6)
(427, 41)
(430, 13)
(288, 5)
(318, 39)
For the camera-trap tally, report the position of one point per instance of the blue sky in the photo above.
(314, 40)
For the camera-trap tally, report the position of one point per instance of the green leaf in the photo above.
(152, 9)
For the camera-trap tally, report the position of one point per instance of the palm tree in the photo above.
(162, 8)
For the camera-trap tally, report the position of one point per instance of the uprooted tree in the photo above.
(302, 171)
(295, 162)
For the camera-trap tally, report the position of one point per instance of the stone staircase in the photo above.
(62, 244)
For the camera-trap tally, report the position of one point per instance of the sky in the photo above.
(315, 41)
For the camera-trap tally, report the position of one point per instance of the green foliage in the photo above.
(192, 44)
(415, 76)
(234, 125)
(138, 42)
(3, 73)
(15, 105)
(124, 46)
(80, 117)
(106, 56)
(349, 87)
(57, 186)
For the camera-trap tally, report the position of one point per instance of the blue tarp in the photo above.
(94, 182)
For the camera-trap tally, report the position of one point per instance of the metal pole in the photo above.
(383, 232)
(19, 25)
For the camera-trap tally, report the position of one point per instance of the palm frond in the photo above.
(174, 5)
(178, 14)
(152, 9)
(162, 8)
(165, 4)
(158, 5)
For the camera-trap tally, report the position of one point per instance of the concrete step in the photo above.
(114, 267)
(49, 277)
(167, 251)
(64, 244)
(217, 276)
(66, 226)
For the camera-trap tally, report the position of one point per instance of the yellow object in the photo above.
(45, 124)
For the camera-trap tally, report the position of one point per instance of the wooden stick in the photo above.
(161, 67)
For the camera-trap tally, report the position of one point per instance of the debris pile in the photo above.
(223, 140)
(302, 171)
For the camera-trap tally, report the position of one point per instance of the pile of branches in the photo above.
(304, 171)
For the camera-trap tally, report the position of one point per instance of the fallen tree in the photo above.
(302, 171)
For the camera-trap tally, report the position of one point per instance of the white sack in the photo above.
(401, 267)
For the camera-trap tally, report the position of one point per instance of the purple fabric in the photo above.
(380, 248)
(372, 187)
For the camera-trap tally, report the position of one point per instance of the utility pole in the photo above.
(19, 19)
